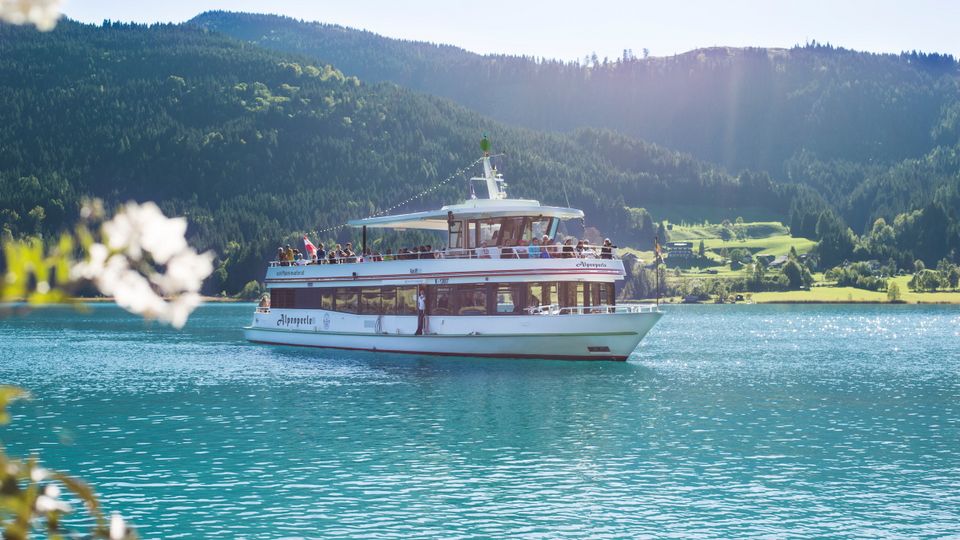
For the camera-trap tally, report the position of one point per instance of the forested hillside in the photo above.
(255, 145)
(741, 108)
(875, 135)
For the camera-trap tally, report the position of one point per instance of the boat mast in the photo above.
(493, 179)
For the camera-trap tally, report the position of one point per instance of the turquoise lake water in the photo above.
(728, 421)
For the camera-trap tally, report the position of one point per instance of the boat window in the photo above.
(511, 231)
(326, 299)
(370, 301)
(306, 298)
(583, 294)
(441, 303)
(455, 238)
(508, 297)
(489, 232)
(595, 293)
(538, 228)
(388, 300)
(607, 296)
(281, 298)
(471, 300)
(347, 299)
(535, 295)
(406, 300)
(568, 294)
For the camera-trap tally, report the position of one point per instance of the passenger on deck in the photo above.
(581, 249)
(428, 250)
(533, 250)
(280, 255)
(545, 248)
(523, 250)
(606, 252)
(321, 254)
(568, 252)
(483, 251)
(349, 254)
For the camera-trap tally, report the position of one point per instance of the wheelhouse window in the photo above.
(538, 227)
(488, 230)
(455, 238)
(511, 231)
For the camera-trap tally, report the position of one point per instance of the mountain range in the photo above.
(259, 127)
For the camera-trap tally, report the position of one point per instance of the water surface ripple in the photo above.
(728, 421)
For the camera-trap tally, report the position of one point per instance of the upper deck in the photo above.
(445, 270)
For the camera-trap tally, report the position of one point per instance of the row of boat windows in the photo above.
(467, 299)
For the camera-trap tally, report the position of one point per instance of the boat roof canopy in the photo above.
(436, 220)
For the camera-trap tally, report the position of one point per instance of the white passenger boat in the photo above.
(487, 294)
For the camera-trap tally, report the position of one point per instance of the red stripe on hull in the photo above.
(610, 358)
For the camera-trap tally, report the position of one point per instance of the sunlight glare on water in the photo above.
(728, 421)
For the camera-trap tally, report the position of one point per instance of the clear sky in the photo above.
(569, 30)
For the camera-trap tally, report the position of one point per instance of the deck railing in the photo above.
(513, 252)
(555, 309)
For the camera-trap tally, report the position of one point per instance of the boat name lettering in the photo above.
(414, 270)
(294, 321)
(441, 281)
(585, 264)
(290, 273)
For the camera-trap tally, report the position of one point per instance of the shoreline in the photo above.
(203, 300)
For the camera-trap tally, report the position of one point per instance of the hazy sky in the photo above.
(568, 30)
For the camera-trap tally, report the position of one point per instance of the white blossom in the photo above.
(41, 13)
(186, 271)
(46, 503)
(38, 474)
(163, 286)
(137, 228)
(118, 528)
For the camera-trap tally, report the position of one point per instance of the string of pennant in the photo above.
(458, 172)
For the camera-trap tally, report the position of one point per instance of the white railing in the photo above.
(515, 252)
(555, 309)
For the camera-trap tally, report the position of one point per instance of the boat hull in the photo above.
(568, 337)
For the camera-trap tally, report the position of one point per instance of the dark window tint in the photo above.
(388, 300)
(370, 301)
(406, 300)
(442, 303)
(471, 300)
(347, 299)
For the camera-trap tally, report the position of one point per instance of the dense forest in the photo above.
(876, 135)
(257, 146)
(741, 108)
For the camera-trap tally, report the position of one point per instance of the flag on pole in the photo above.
(308, 245)
(657, 251)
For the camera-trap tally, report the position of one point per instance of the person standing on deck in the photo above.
(421, 311)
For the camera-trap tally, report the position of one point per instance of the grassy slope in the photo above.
(850, 294)
(763, 237)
